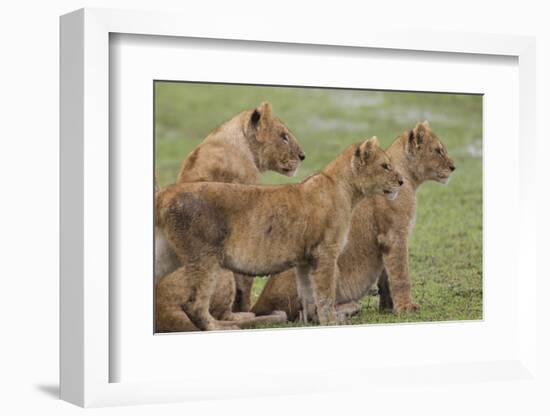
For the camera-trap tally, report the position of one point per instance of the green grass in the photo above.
(446, 245)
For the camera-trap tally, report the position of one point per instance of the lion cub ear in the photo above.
(366, 149)
(416, 136)
(262, 112)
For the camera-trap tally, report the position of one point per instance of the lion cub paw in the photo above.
(239, 316)
(406, 307)
(222, 326)
(281, 314)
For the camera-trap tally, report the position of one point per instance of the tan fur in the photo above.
(258, 230)
(379, 234)
(169, 317)
(236, 152)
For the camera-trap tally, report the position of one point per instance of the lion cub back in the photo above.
(194, 224)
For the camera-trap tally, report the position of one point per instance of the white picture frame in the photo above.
(86, 356)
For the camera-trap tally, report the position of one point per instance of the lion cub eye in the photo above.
(284, 136)
(386, 167)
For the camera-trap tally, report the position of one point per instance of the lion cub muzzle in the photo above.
(392, 191)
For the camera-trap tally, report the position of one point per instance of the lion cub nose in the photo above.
(400, 182)
(302, 156)
(452, 167)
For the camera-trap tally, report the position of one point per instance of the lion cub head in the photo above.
(275, 147)
(373, 171)
(427, 156)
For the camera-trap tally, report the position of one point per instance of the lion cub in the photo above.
(242, 148)
(238, 151)
(257, 230)
(379, 234)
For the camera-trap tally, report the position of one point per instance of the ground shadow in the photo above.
(51, 390)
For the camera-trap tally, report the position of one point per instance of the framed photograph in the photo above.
(446, 266)
(291, 208)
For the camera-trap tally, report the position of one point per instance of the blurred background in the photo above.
(446, 244)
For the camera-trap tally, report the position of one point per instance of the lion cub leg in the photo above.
(396, 262)
(323, 277)
(197, 282)
(243, 293)
(305, 294)
(276, 317)
(238, 316)
(169, 316)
